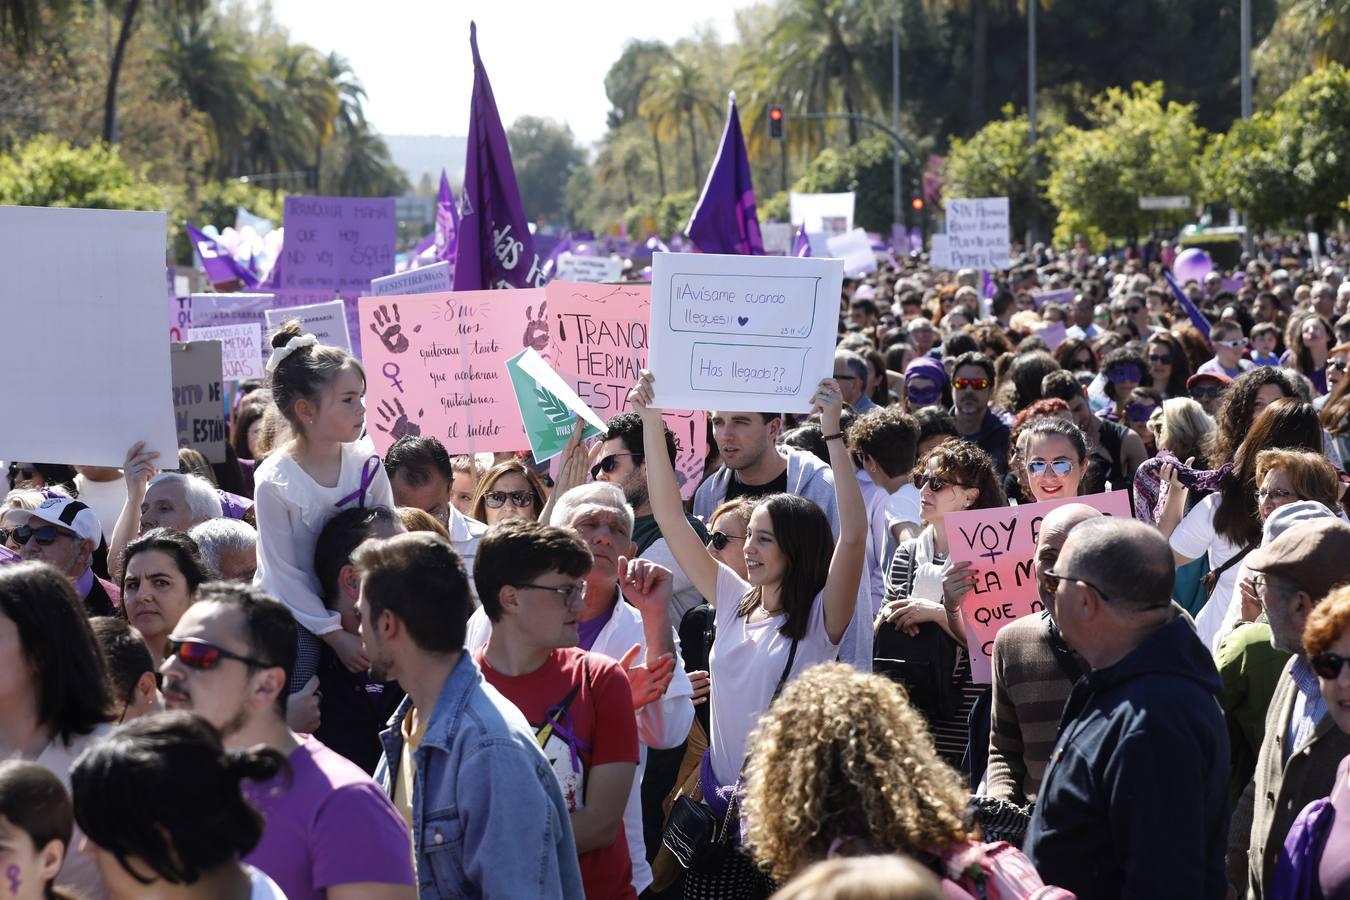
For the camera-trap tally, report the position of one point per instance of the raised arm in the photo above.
(138, 469)
(850, 550)
(664, 495)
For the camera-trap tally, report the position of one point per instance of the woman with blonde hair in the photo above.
(1182, 429)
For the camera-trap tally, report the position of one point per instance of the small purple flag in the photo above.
(724, 221)
(1197, 317)
(915, 240)
(656, 245)
(990, 288)
(494, 246)
(802, 245)
(447, 222)
(220, 266)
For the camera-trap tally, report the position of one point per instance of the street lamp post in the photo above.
(898, 208)
(1031, 116)
(1246, 40)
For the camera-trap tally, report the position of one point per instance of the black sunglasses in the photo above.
(609, 463)
(1328, 665)
(718, 540)
(936, 482)
(1201, 393)
(519, 499)
(46, 535)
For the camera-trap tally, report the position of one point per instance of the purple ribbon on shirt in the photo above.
(368, 473)
(561, 721)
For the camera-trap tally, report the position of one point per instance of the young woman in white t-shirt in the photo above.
(801, 586)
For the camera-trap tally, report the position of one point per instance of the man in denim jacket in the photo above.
(486, 812)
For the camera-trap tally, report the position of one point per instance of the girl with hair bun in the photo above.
(326, 466)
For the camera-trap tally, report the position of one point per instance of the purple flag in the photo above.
(724, 221)
(802, 246)
(990, 288)
(494, 246)
(447, 222)
(220, 266)
(1197, 317)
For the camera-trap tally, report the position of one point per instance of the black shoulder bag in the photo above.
(924, 664)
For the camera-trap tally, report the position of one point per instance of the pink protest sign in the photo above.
(436, 365)
(334, 247)
(1001, 543)
(595, 336)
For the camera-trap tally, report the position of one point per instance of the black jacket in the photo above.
(1135, 801)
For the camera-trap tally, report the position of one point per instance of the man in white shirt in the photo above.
(884, 443)
(421, 474)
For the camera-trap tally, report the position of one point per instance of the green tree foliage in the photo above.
(545, 154)
(1137, 147)
(997, 162)
(50, 172)
(864, 168)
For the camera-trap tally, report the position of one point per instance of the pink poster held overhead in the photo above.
(1001, 543)
(595, 336)
(436, 366)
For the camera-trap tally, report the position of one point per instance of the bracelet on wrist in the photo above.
(830, 437)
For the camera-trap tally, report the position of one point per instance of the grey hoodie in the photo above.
(807, 477)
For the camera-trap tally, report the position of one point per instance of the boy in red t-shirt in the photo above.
(530, 579)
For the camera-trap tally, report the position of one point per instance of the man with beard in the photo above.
(620, 462)
(972, 386)
(330, 831)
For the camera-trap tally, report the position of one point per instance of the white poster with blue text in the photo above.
(742, 332)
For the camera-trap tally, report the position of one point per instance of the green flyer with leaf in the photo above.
(548, 405)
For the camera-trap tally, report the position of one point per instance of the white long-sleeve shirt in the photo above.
(292, 509)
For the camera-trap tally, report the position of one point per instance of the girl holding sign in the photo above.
(325, 467)
(792, 608)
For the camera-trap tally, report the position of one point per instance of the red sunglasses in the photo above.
(198, 654)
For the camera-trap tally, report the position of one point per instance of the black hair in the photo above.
(808, 438)
(1025, 375)
(1236, 412)
(960, 343)
(72, 682)
(627, 427)
(803, 534)
(420, 578)
(888, 435)
(933, 421)
(1124, 356)
(1061, 385)
(305, 372)
(516, 552)
(973, 358)
(164, 789)
(54, 474)
(1053, 425)
(338, 540)
(183, 549)
(35, 801)
(269, 627)
(244, 418)
(418, 457)
(124, 652)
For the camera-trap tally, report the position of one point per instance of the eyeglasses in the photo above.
(1140, 412)
(1279, 495)
(974, 384)
(1159, 360)
(609, 463)
(1205, 393)
(1122, 373)
(934, 482)
(1235, 344)
(1339, 365)
(46, 535)
(1037, 467)
(1130, 310)
(1051, 581)
(1328, 665)
(571, 594)
(196, 653)
(519, 499)
(718, 540)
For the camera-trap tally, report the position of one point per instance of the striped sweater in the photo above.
(1030, 690)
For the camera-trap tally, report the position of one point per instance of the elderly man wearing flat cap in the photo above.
(1302, 746)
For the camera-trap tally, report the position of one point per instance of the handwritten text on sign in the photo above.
(1001, 544)
(326, 321)
(742, 332)
(977, 233)
(241, 349)
(436, 366)
(198, 399)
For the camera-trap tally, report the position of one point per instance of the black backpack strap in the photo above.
(787, 670)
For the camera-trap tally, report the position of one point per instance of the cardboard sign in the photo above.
(334, 247)
(1001, 543)
(431, 279)
(436, 365)
(548, 405)
(827, 214)
(97, 381)
(326, 321)
(591, 269)
(978, 234)
(595, 337)
(940, 252)
(855, 249)
(742, 332)
(1063, 295)
(198, 397)
(241, 349)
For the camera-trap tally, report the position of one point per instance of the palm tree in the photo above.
(623, 154)
(347, 116)
(203, 62)
(682, 90)
(127, 12)
(629, 83)
(366, 168)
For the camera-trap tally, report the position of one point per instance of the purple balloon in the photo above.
(1192, 264)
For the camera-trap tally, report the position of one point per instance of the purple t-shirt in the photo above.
(1333, 871)
(588, 631)
(329, 824)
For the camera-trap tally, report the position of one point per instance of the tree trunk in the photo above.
(979, 62)
(852, 122)
(660, 165)
(693, 147)
(110, 130)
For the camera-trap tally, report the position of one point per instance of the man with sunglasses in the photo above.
(64, 533)
(1302, 746)
(1133, 308)
(972, 387)
(1135, 798)
(330, 831)
(850, 370)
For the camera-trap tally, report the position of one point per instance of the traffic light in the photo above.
(776, 123)
(917, 204)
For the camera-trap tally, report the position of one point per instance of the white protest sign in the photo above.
(939, 252)
(588, 269)
(742, 332)
(431, 279)
(101, 380)
(830, 214)
(855, 250)
(241, 348)
(778, 238)
(326, 321)
(978, 234)
(533, 365)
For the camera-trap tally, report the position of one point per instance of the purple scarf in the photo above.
(1207, 480)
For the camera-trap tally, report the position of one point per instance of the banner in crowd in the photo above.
(827, 214)
(978, 233)
(595, 336)
(326, 321)
(431, 279)
(855, 249)
(1001, 544)
(436, 366)
(548, 406)
(198, 397)
(1061, 295)
(241, 349)
(98, 382)
(180, 312)
(212, 310)
(737, 332)
(591, 269)
(334, 247)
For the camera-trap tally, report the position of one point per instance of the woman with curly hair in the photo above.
(1242, 401)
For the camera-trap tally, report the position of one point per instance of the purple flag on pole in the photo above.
(447, 221)
(494, 246)
(802, 246)
(724, 221)
(1197, 317)
(220, 266)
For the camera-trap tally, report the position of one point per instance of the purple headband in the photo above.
(926, 367)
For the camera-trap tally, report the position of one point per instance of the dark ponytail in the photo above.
(305, 371)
